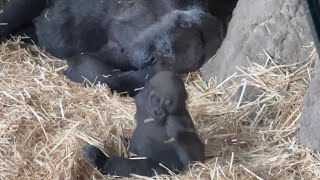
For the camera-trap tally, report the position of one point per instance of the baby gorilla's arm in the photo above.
(119, 166)
(190, 148)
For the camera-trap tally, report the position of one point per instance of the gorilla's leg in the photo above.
(19, 14)
(94, 156)
(119, 166)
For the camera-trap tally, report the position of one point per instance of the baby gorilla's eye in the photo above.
(155, 99)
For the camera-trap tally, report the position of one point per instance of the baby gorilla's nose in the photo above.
(159, 115)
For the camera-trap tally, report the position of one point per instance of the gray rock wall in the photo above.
(310, 116)
(278, 27)
(275, 28)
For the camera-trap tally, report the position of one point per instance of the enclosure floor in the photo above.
(45, 120)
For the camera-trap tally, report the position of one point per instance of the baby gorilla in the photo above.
(165, 133)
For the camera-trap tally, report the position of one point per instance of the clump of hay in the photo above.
(45, 120)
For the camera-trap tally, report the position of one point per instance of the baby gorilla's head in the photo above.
(163, 95)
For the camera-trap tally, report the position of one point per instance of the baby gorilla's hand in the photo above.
(176, 125)
(173, 126)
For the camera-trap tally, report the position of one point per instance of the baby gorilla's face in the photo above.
(161, 105)
(163, 95)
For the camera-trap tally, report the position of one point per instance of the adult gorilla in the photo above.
(129, 35)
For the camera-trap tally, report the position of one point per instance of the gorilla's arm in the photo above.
(119, 166)
(131, 82)
(17, 13)
(93, 69)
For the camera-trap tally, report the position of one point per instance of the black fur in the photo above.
(17, 17)
(164, 133)
(129, 35)
(132, 34)
(222, 10)
(89, 69)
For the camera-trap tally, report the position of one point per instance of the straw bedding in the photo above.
(45, 120)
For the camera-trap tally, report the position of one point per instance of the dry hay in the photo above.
(46, 119)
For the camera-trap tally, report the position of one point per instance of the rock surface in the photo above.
(259, 28)
(271, 28)
(310, 117)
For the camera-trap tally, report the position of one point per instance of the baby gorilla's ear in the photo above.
(142, 97)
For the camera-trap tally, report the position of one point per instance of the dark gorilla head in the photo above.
(163, 95)
(183, 38)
